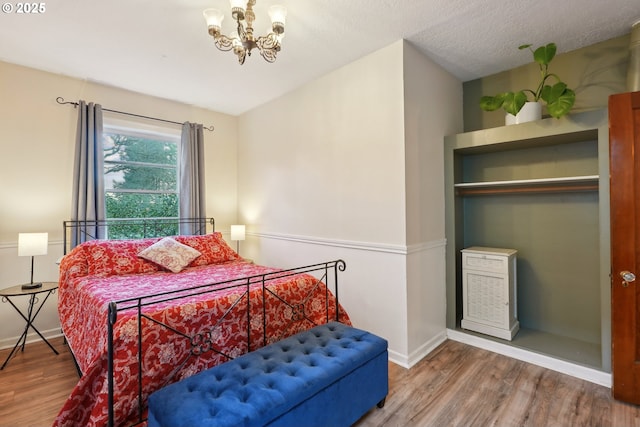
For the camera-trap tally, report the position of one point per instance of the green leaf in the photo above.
(562, 105)
(492, 103)
(513, 102)
(544, 54)
(553, 93)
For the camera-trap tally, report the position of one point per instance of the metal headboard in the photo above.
(77, 231)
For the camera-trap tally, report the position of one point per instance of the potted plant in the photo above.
(558, 97)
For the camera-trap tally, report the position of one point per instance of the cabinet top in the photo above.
(490, 251)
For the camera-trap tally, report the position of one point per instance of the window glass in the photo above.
(140, 177)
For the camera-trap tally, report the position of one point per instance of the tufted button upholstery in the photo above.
(260, 386)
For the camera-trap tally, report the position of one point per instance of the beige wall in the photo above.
(325, 165)
(37, 145)
(323, 174)
(432, 102)
(348, 166)
(312, 160)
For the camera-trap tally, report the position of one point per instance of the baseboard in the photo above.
(562, 366)
(8, 343)
(417, 355)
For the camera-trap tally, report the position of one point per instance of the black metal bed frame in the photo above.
(325, 273)
(201, 342)
(76, 231)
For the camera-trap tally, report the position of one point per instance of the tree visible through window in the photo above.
(141, 179)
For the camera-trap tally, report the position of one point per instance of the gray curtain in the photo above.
(88, 202)
(192, 199)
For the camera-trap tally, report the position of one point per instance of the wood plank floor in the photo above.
(456, 385)
(460, 385)
(34, 384)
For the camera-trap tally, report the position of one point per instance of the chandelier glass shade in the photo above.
(242, 41)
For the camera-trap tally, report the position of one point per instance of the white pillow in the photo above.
(170, 254)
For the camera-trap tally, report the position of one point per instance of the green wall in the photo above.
(562, 237)
(556, 235)
(594, 72)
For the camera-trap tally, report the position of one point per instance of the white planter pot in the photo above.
(530, 112)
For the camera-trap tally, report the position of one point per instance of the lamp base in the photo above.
(32, 285)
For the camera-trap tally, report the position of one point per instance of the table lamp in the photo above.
(32, 244)
(237, 233)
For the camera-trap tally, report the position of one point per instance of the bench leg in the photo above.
(381, 403)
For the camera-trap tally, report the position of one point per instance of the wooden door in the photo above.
(624, 144)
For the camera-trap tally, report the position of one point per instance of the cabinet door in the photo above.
(486, 298)
(624, 147)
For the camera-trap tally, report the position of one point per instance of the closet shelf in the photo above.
(537, 185)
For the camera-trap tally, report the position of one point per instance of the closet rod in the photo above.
(60, 100)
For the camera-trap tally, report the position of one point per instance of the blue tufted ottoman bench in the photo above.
(330, 375)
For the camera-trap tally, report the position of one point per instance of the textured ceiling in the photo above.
(162, 47)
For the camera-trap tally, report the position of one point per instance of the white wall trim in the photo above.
(378, 247)
(366, 246)
(8, 343)
(417, 355)
(427, 246)
(564, 367)
(350, 244)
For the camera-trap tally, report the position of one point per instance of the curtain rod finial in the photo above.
(60, 100)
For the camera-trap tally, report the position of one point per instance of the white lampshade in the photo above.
(31, 244)
(278, 14)
(214, 17)
(237, 232)
(239, 4)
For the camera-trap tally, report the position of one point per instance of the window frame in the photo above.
(149, 132)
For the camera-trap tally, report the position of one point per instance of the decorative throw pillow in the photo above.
(117, 257)
(212, 246)
(170, 254)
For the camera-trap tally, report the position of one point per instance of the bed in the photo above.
(143, 313)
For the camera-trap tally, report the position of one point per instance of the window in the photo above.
(141, 170)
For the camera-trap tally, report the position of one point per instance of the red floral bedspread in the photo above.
(202, 329)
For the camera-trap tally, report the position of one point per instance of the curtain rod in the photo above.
(60, 100)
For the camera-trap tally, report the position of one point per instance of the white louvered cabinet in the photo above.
(489, 291)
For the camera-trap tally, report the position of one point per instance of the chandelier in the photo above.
(242, 41)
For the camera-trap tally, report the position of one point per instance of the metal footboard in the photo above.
(203, 341)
